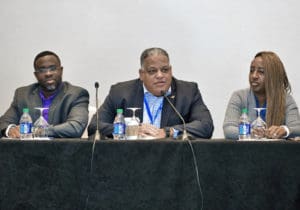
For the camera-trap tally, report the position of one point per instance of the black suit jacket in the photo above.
(185, 96)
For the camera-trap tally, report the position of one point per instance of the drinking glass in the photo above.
(132, 125)
(258, 126)
(40, 126)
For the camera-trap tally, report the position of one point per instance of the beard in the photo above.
(51, 87)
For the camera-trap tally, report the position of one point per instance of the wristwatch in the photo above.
(167, 131)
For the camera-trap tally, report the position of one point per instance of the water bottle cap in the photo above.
(245, 110)
(25, 110)
(119, 111)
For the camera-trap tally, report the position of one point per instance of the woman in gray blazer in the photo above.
(269, 88)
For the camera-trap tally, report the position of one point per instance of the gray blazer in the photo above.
(185, 96)
(68, 113)
(245, 99)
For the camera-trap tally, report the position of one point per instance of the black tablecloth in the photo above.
(58, 174)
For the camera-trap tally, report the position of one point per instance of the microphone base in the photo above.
(186, 136)
(97, 135)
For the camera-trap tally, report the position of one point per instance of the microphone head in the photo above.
(96, 85)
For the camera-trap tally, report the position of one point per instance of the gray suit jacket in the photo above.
(68, 113)
(245, 99)
(185, 96)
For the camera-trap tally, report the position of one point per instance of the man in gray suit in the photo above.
(67, 105)
(157, 116)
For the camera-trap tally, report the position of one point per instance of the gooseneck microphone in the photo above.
(184, 133)
(97, 134)
(96, 137)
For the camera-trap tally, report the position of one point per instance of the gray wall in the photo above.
(211, 42)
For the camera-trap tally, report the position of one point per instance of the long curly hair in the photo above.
(276, 87)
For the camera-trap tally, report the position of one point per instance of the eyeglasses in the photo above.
(153, 71)
(44, 70)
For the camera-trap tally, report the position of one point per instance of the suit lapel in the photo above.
(139, 101)
(34, 101)
(54, 103)
(167, 110)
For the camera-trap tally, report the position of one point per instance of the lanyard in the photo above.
(152, 120)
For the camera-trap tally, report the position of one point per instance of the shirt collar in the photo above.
(147, 92)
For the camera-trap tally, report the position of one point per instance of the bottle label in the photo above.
(244, 129)
(25, 127)
(119, 128)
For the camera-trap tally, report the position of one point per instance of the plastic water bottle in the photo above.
(119, 126)
(244, 125)
(25, 125)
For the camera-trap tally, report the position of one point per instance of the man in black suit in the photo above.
(157, 116)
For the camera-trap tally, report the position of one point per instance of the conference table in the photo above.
(149, 174)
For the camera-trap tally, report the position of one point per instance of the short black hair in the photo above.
(42, 54)
(151, 51)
